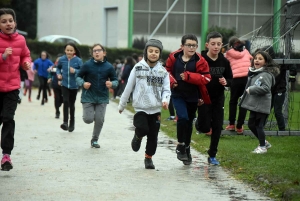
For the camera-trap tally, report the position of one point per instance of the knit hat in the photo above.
(153, 43)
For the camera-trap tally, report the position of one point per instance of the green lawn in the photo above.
(276, 173)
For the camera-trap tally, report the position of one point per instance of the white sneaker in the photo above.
(260, 150)
(267, 144)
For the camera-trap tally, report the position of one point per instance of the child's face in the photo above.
(153, 54)
(214, 45)
(43, 55)
(259, 61)
(70, 51)
(7, 24)
(98, 53)
(189, 47)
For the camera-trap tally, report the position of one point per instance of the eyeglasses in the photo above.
(191, 46)
(97, 50)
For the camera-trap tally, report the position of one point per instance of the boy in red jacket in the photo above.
(13, 54)
(189, 73)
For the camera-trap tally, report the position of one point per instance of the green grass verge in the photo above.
(277, 173)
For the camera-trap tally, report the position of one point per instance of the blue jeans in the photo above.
(185, 112)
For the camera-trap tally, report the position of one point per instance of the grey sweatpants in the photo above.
(93, 112)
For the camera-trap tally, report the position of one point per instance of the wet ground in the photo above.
(52, 164)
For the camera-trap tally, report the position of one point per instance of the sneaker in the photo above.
(57, 115)
(136, 143)
(149, 163)
(239, 131)
(71, 126)
(64, 126)
(171, 118)
(209, 133)
(6, 164)
(38, 97)
(188, 153)
(260, 150)
(94, 144)
(268, 145)
(181, 153)
(230, 127)
(213, 161)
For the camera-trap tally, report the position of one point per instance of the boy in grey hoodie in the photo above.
(150, 84)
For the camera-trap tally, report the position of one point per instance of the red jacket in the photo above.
(9, 68)
(201, 77)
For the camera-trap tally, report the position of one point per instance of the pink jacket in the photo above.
(239, 62)
(9, 68)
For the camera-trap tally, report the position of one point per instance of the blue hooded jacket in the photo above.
(63, 68)
(41, 66)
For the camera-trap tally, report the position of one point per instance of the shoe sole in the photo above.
(240, 133)
(182, 158)
(71, 130)
(6, 166)
(95, 147)
(64, 127)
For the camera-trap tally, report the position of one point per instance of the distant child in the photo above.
(240, 61)
(41, 66)
(13, 54)
(257, 96)
(210, 116)
(189, 73)
(67, 67)
(56, 86)
(150, 84)
(96, 77)
(29, 81)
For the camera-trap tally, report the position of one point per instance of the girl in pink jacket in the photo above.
(240, 61)
(13, 54)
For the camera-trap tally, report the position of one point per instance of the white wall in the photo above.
(82, 19)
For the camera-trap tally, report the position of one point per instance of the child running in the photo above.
(150, 84)
(13, 54)
(96, 76)
(258, 96)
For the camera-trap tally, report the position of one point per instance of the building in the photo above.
(107, 22)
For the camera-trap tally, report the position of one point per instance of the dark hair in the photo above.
(236, 44)
(269, 62)
(47, 55)
(269, 50)
(9, 11)
(188, 37)
(213, 34)
(97, 44)
(130, 61)
(77, 52)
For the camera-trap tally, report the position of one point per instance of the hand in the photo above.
(175, 85)
(200, 102)
(223, 81)
(108, 84)
(182, 76)
(8, 51)
(49, 80)
(72, 70)
(49, 69)
(165, 105)
(59, 77)
(26, 65)
(86, 85)
(59, 83)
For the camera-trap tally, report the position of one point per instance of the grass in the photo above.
(277, 173)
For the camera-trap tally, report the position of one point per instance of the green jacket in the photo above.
(96, 73)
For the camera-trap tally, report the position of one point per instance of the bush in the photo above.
(226, 33)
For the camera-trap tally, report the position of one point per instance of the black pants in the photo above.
(43, 87)
(256, 124)
(212, 116)
(69, 97)
(147, 125)
(236, 91)
(171, 108)
(8, 106)
(277, 103)
(58, 98)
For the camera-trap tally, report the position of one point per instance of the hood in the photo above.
(236, 54)
(273, 70)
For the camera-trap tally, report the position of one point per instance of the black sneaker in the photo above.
(188, 153)
(94, 144)
(57, 115)
(64, 126)
(136, 143)
(181, 153)
(149, 163)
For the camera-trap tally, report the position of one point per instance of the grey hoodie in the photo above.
(150, 87)
(260, 82)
